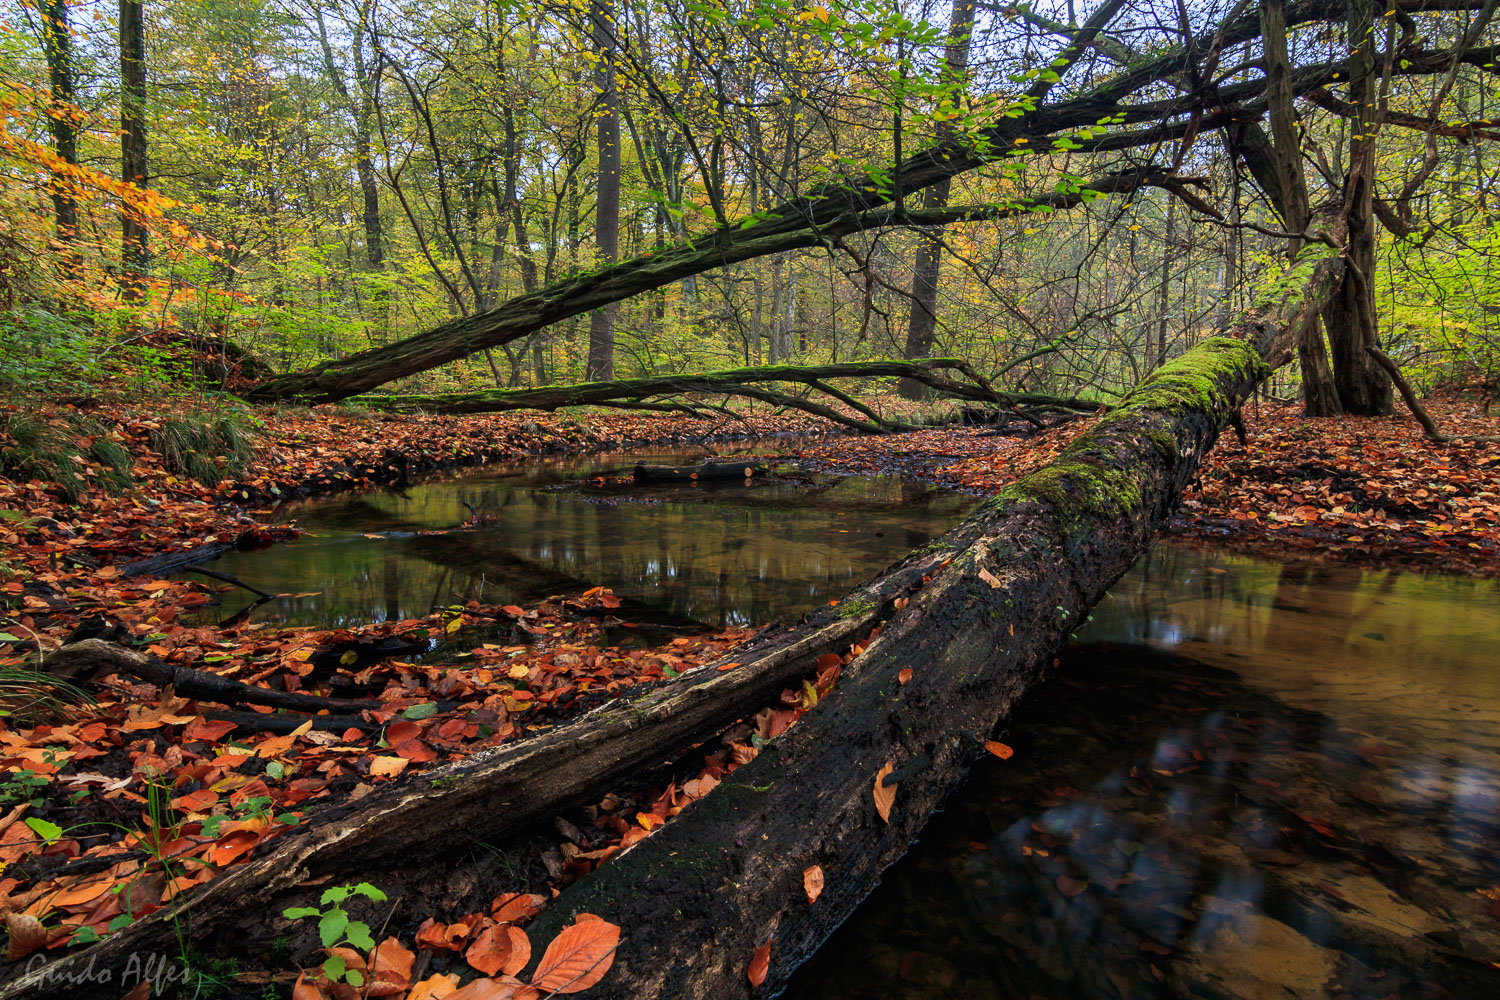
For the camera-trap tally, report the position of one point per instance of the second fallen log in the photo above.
(708, 471)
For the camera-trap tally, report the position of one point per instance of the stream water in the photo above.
(738, 553)
(1245, 779)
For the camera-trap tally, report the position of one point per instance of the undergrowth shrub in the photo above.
(73, 453)
(207, 447)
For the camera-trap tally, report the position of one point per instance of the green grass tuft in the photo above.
(205, 447)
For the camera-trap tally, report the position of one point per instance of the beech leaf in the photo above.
(885, 795)
(760, 964)
(812, 883)
(579, 956)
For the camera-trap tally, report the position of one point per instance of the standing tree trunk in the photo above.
(1157, 354)
(135, 250)
(1319, 397)
(364, 113)
(921, 326)
(601, 364)
(1363, 386)
(57, 45)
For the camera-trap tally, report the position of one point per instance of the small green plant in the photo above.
(21, 786)
(336, 929)
(258, 807)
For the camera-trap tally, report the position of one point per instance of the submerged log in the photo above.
(706, 472)
(975, 616)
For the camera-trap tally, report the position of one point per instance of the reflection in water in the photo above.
(1308, 807)
(735, 554)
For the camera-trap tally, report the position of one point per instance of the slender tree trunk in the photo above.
(921, 325)
(1363, 386)
(1157, 354)
(1319, 397)
(135, 250)
(601, 363)
(363, 161)
(57, 45)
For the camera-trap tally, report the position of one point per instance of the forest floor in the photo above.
(110, 812)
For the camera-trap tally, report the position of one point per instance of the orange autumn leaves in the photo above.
(578, 958)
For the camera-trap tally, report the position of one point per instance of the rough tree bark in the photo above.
(601, 360)
(1287, 189)
(135, 250)
(57, 46)
(1363, 386)
(976, 614)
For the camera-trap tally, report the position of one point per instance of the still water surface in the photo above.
(740, 553)
(1247, 779)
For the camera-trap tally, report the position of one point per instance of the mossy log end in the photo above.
(981, 611)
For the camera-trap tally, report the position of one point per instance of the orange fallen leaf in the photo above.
(499, 949)
(760, 964)
(387, 766)
(436, 987)
(812, 883)
(308, 989)
(504, 988)
(514, 907)
(391, 962)
(579, 956)
(728, 666)
(999, 749)
(904, 675)
(885, 795)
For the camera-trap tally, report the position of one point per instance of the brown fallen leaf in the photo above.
(26, 935)
(812, 883)
(579, 956)
(760, 964)
(999, 749)
(885, 795)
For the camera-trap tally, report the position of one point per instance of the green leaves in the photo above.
(336, 929)
(49, 832)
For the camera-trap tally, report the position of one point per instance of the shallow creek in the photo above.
(1246, 779)
(738, 553)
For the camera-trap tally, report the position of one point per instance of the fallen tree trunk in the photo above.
(747, 382)
(707, 472)
(975, 615)
(86, 660)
